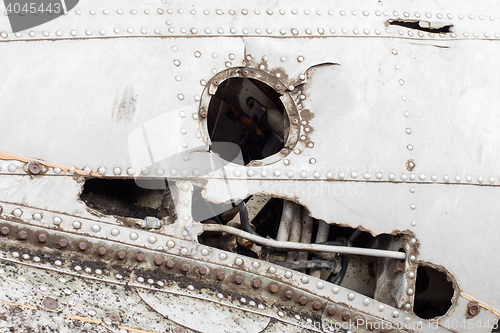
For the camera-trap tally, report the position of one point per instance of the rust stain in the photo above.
(84, 319)
(134, 330)
(21, 305)
(11, 157)
(470, 299)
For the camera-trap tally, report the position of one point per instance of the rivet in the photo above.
(18, 212)
(102, 250)
(221, 276)
(395, 314)
(23, 234)
(238, 279)
(170, 263)
(42, 238)
(152, 240)
(256, 283)
(289, 294)
(480, 179)
(457, 179)
(140, 256)
(354, 174)
(392, 176)
(351, 296)
(491, 180)
(366, 302)
(77, 224)
(330, 310)
(115, 232)
(345, 316)
(303, 300)
(446, 178)
(82, 246)
(121, 254)
(184, 251)
(170, 244)
(409, 292)
(96, 228)
(158, 260)
(222, 256)
(5, 231)
(316, 305)
(304, 280)
(366, 175)
(413, 258)
(473, 310)
(185, 267)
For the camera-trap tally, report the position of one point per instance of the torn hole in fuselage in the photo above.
(421, 25)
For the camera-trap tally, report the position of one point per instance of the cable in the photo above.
(304, 247)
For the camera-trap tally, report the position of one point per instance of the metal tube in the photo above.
(295, 231)
(306, 235)
(304, 247)
(321, 237)
(286, 221)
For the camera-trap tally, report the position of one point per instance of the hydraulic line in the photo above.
(304, 247)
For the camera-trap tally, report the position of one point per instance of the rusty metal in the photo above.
(63, 242)
(303, 300)
(5, 231)
(238, 279)
(179, 329)
(202, 270)
(473, 309)
(273, 287)
(256, 283)
(346, 316)
(34, 167)
(121, 254)
(82, 246)
(50, 303)
(288, 294)
(140, 256)
(158, 260)
(203, 113)
(23, 234)
(114, 317)
(42, 238)
(170, 263)
(330, 310)
(102, 250)
(185, 268)
(221, 276)
(317, 305)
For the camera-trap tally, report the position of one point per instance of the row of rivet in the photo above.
(258, 31)
(290, 174)
(220, 276)
(202, 270)
(238, 261)
(270, 12)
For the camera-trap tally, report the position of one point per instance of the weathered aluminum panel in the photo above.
(93, 90)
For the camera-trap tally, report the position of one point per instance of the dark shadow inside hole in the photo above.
(123, 197)
(417, 25)
(433, 293)
(248, 113)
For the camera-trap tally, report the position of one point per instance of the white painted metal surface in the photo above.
(101, 88)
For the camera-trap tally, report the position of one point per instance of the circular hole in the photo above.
(250, 114)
